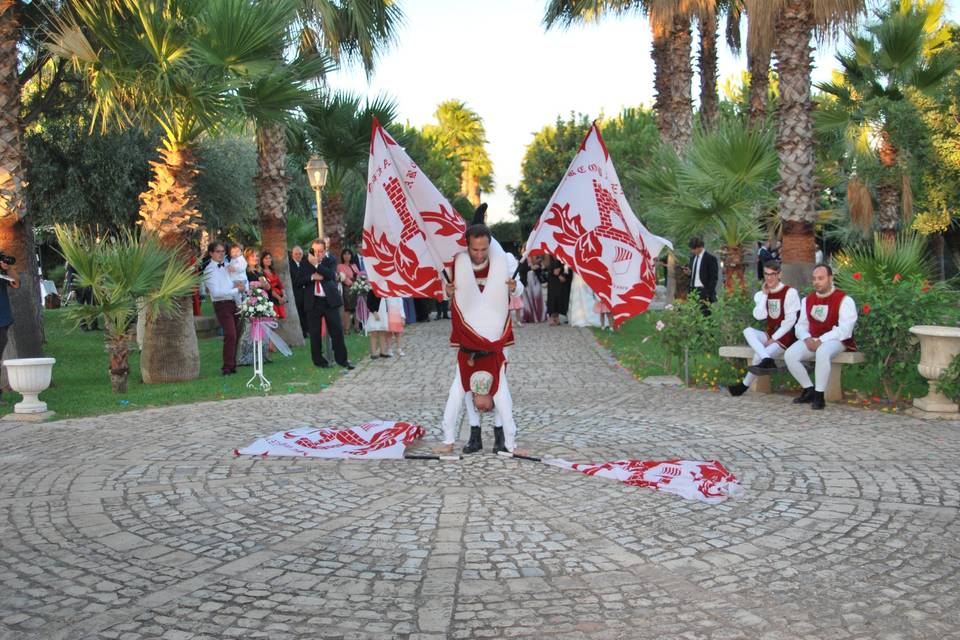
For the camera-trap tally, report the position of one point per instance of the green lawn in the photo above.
(637, 348)
(81, 384)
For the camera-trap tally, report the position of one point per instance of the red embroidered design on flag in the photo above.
(380, 439)
(588, 224)
(410, 231)
(703, 480)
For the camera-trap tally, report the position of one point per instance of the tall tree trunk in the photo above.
(470, 187)
(795, 140)
(271, 182)
(333, 216)
(709, 25)
(680, 77)
(758, 63)
(888, 210)
(661, 84)
(16, 227)
(888, 193)
(170, 351)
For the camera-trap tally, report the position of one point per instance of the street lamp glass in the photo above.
(317, 172)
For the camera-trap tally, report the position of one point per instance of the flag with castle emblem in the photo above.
(372, 440)
(589, 225)
(410, 231)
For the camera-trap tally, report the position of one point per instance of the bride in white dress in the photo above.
(581, 313)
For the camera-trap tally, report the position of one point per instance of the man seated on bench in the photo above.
(825, 329)
(779, 305)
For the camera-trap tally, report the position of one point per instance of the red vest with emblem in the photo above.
(775, 313)
(830, 319)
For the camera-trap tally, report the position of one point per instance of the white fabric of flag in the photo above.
(589, 225)
(410, 231)
(704, 480)
(372, 440)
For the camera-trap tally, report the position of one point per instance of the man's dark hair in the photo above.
(823, 265)
(478, 231)
(213, 246)
(695, 242)
(773, 265)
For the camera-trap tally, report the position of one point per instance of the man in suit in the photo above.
(704, 272)
(300, 273)
(323, 302)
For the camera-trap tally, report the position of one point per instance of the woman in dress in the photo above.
(530, 273)
(558, 294)
(347, 272)
(582, 311)
(377, 326)
(276, 286)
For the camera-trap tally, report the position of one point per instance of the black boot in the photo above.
(805, 396)
(738, 389)
(765, 367)
(475, 443)
(818, 402)
(498, 442)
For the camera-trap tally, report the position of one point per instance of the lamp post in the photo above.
(317, 175)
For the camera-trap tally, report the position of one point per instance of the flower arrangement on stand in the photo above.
(257, 309)
(361, 285)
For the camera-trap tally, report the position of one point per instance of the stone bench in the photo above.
(206, 326)
(834, 392)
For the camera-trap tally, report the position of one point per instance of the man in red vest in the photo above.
(779, 305)
(825, 328)
(481, 330)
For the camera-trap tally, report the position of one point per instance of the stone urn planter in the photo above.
(938, 346)
(29, 377)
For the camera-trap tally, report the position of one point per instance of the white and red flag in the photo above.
(410, 231)
(371, 440)
(589, 225)
(703, 480)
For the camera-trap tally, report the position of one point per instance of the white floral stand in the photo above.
(258, 331)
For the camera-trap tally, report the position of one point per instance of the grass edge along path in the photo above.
(81, 382)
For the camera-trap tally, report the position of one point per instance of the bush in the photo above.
(949, 382)
(889, 282)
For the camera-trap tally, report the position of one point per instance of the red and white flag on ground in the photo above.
(410, 231)
(706, 481)
(373, 440)
(589, 225)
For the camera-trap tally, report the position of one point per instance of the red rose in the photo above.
(925, 289)
(857, 276)
(866, 309)
(897, 278)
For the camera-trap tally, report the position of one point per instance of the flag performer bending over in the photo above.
(482, 285)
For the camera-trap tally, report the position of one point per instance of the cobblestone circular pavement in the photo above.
(144, 525)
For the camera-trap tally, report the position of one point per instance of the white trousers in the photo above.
(755, 338)
(502, 405)
(473, 416)
(798, 352)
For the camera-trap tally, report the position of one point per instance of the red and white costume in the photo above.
(780, 308)
(829, 318)
(481, 331)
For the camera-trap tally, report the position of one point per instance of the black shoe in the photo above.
(386, 355)
(766, 367)
(818, 403)
(322, 365)
(475, 443)
(348, 366)
(498, 443)
(805, 396)
(737, 389)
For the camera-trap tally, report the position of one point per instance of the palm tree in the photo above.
(903, 50)
(459, 133)
(670, 28)
(339, 130)
(275, 101)
(719, 188)
(134, 273)
(787, 27)
(16, 227)
(175, 64)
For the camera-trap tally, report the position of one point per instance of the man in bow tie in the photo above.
(225, 294)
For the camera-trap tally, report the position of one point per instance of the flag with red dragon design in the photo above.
(410, 231)
(589, 225)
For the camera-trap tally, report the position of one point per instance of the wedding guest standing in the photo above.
(277, 296)
(347, 271)
(300, 278)
(225, 295)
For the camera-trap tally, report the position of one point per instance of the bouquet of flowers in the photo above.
(256, 304)
(360, 285)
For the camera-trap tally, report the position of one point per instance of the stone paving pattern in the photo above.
(144, 525)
